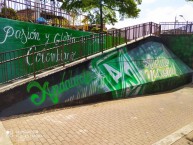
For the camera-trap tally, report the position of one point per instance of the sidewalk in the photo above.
(186, 140)
(135, 121)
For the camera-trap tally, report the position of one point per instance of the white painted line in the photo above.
(4, 137)
(170, 139)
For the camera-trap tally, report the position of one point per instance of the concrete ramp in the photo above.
(140, 68)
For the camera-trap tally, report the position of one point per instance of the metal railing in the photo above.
(32, 60)
(27, 10)
(176, 27)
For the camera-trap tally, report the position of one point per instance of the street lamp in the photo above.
(175, 19)
(175, 24)
(187, 26)
(183, 17)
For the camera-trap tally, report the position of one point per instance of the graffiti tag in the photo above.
(53, 92)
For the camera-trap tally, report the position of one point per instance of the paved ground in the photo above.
(186, 140)
(137, 121)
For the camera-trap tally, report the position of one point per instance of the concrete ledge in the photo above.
(170, 139)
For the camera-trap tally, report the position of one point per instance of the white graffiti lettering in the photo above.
(159, 69)
(9, 32)
(61, 37)
(43, 57)
(20, 34)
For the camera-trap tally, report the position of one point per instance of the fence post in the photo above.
(85, 45)
(150, 25)
(143, 31)
(159, 29)
(113, 39)
(139, 28)
(119, 36)
(63, 53)
(186, 27)
(116, 37)
(129, 33)
(126, 35)
(101, 41)
(34, 67)
(135, 32)
(106, 41)
(81, 46)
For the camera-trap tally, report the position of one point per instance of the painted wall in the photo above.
(19, 35)
(16, 34)
(182, 46)
(144, 67)
(30, 38)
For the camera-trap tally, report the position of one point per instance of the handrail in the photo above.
(32, 60)
(176, 28)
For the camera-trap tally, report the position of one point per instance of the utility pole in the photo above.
(101, 15)
(37, 8)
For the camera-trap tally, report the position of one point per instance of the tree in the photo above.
(125, 8)
(8, 13)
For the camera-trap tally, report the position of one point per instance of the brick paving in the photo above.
(135, 121)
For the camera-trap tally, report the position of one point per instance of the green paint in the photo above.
(122, 72)
(36, 99)
(182, 46)
(125, 72)
(160, 69)
(16, 34)
(53, 92)
(119, 71)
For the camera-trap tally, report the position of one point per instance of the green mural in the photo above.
(32, 40)
(55, 91)
(143, 67)
(182, 46)
(16, 34)
(43, 47)
(124, 72)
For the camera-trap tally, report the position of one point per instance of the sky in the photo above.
(160, 11)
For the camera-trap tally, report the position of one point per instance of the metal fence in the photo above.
(176, 27)
(35, 59)
(52, 14)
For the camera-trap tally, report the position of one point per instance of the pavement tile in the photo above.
(134, 121)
